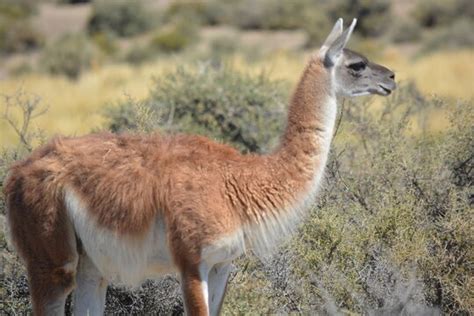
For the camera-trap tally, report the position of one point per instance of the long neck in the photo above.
(270, 194)
(312, 113)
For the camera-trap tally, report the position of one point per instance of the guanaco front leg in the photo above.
(194, 285)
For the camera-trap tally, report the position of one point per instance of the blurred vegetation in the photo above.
(174, 37)
(106, 43)
(405, 31)
(73, 1)
(373, 16)
(70, 55)
(432, 13)
(454, 36)
(16, 32)
(120, 17)
(211, 100)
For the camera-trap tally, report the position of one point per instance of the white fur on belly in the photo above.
(120, 258)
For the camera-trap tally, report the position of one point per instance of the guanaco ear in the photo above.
(335, 33)
(335, 48)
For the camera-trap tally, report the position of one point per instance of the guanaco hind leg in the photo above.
(218, 277)
(89, 296)
(45, 240)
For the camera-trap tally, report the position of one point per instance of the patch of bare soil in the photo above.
(268, 41)
(55, 20)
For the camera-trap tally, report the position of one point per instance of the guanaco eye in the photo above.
(357, 66)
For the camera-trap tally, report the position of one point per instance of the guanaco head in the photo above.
(353, 73)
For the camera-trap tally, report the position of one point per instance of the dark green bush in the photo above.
(69, 56)
(214, 101)
(119, 17)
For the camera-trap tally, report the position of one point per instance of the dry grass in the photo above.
(76, 107)
(446, 74)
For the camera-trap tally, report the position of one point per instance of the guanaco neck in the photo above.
(312, 112)
(270, 195)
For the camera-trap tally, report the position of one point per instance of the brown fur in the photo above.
(204, 190)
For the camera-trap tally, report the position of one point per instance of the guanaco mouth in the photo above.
(385, 90)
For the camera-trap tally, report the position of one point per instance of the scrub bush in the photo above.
(16, 32)
(69, 56)
(212, 100)
(120, 17)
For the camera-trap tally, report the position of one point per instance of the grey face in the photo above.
(355, 75)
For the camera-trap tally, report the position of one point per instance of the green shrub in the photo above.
(106, 42)
(405, 31)
(16, 31)
(218, 102)
(173, 38)
(454, 36)
(268, 14)
(139, 54)
(17, 9)
(431, 13)
(203, 12)
(179, 31)
(69, 56)
(286, 15)
(119, 17)
(18, 36)
(317, 26)
(374, 16)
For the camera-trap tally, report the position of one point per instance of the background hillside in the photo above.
(392, 230)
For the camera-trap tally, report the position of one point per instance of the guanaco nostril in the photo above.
(392, 76)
